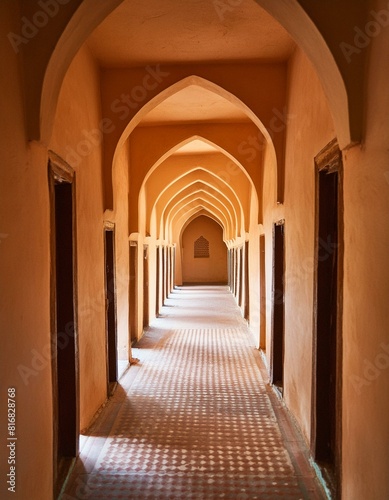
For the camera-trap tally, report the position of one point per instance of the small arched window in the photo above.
(201, 248)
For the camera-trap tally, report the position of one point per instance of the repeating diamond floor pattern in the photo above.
(194, 419)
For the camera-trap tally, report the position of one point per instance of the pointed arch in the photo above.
(193, 199)
(206, 190)
(85, 15)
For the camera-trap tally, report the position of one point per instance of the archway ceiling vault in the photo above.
(200, 211)
(193, 199)
(200, 36)
(182, 216)
(204, 49)
(236, 189)
(164, 210)
(47, 56)
(222, 38)
(260, 106)
(184, 188)
(216, 164)
(173, 226)
(193, 178)
(234, 140)
(194, 105)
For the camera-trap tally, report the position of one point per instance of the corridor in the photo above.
(151, 145)
(194, 418)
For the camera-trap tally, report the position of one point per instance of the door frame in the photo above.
(60, 172)
(329, 160)
(111, 343)
(246, 282)
(133, 262)
(157, 280)
(262, 292)
(146, 285)
(280, 335)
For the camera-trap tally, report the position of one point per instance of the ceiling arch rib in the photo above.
(199, 188)
(191, 182)
(84, 16)
(178, 167)
(192, 199)
(199, 214)
(180, 218)
(184, 211)
(232, 140)
(173, 85)
(262, 101)
(229, 140)
(193, 177)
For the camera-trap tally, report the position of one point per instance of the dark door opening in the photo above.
(173, 268)
(132, 291)
(277, 360)
(110, 300)
(145, 286)
(64, 327)
(169, 270)
(327, 336)
(236, 273)
(262, 289)
(241, 277)
(163, 275)
(229, 267)
(246, 282)
(158, 278)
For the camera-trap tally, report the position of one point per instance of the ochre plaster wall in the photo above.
(78, 116)
(271, 78)
(120, 218)
(366, 292)
(25, 255)
(147, 143)
(25, 282)
(254, 270)
(309, 129)
(204, 270)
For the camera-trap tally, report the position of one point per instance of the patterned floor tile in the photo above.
(196, 421)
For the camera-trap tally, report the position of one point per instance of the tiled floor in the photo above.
(194, 419)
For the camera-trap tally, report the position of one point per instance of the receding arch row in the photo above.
(185, 204)
(259, 109)
(81, 17)
(227, 139)
(192, 181)
(187, 195)
(184, 172)
(228, 172)
(183, 213)
(198, 213)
